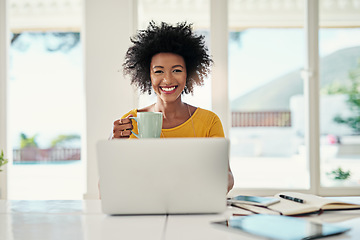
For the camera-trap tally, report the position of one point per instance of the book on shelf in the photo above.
(294, 203)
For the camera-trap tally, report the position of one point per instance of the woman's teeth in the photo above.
(168, 89)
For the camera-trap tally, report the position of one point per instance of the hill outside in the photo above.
(275, 95)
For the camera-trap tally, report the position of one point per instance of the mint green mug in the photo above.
(149, 124)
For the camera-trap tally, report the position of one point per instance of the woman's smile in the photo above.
(168, 89)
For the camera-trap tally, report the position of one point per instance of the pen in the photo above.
(299, 200)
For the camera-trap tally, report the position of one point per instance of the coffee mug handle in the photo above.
(135, 118)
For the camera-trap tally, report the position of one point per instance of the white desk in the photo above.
(83, 220)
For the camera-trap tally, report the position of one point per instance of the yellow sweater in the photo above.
(204, 122)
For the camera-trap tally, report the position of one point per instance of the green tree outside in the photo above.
(61, 139)
(352, 90)
(26, 141)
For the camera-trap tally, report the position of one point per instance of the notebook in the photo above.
(163, 176)
(295, 203)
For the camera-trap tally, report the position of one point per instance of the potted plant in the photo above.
(3, 160)
(339, 174)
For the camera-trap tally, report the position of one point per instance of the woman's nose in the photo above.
(167, 78)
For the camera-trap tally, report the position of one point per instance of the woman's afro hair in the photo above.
(177, 39)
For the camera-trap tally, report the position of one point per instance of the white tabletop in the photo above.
(72, 220)
(83, 220)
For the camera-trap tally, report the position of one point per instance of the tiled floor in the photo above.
(261, 172)
(46, 181)
(292, 172)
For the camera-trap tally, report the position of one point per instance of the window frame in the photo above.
(310, 75)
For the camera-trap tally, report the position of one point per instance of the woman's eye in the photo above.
(158, 71)
(177, 70)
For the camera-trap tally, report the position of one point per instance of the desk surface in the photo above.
(83, 220)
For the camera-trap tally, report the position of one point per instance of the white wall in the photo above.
(3, 86)
(219, 50)
(108, 26)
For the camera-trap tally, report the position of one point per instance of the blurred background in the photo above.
(266, 51)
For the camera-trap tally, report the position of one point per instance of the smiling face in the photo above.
(168, 76)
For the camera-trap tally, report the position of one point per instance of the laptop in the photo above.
(163, 176)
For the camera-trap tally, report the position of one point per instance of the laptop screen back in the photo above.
(163, 176)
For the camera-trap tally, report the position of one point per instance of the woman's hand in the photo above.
(122, 127)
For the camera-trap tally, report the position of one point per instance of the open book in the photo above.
(311, 204)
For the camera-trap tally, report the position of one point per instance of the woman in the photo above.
(170, 60)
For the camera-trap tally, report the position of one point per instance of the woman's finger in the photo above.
(122, 127)
(122, 134)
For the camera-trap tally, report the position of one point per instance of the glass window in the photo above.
(340, 123)
(46, 116)
(266, 55)
(266, 142)
(339, 49)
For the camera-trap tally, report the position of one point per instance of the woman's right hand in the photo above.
(122, 127)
